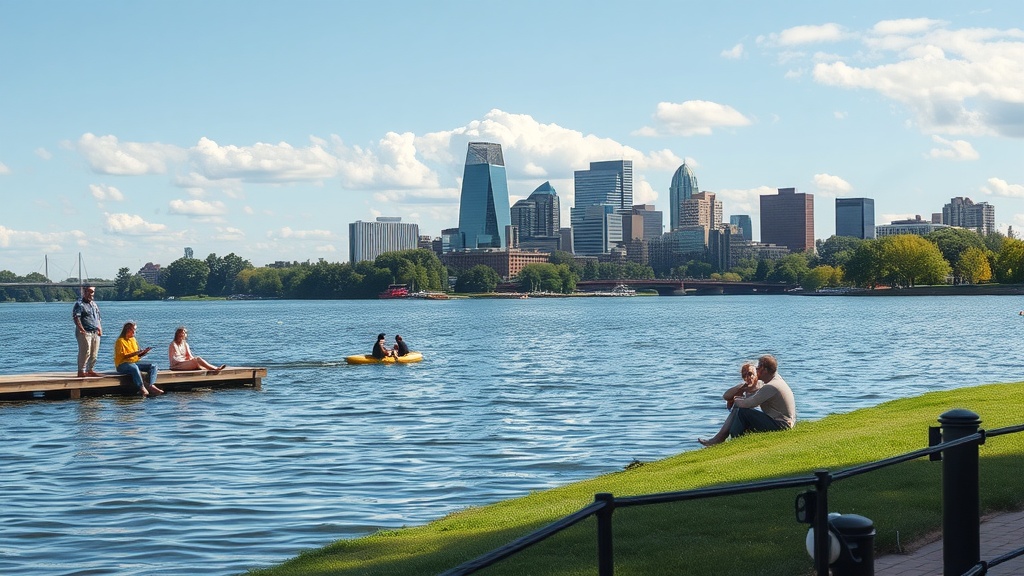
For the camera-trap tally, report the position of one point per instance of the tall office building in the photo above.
(607, 184)
(702, 209)
(744, 224)
(682, 188)
(787, 219)
(367, 240)
(539, 214)
(965, 213)
(650, 225)
(483, 209)
(855, 217)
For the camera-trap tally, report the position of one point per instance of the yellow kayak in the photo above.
(369, 359)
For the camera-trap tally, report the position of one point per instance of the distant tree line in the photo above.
(899, 261)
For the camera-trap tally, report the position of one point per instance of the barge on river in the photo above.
(67, 385)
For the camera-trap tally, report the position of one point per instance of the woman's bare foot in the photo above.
(219, 368)
(154, 390)
(92, 373)
(710, 442)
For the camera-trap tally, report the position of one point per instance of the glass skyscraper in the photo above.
(608, 184)
(682, 188)
(483, 208)
(742, 221)
(855, 217)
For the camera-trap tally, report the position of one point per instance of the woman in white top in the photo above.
(180, 355)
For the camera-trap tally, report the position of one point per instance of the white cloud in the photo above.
(4, 170)
(693, 117)
(103, 192)
(953, 81)
(229, 234)
(131, 225)
(1000, 187)
(287, 232)
(262, 162)
(830, 185)
(106, 155)
(326, 249)
(733, 53)
(38, 241)
(196, 208)
(744, 201)
(839, 115)
(954, 149)
(811, 34)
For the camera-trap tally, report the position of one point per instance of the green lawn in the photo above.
(743, 535)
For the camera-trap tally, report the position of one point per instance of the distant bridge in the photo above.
(678, 287)
(54, 284)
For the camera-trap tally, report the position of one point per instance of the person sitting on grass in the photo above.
(180, 355)
(774, 398)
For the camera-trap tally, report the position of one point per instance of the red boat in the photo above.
(395, 291)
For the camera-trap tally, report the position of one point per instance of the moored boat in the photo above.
(395, 291)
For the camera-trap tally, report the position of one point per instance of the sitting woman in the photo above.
(181, 358)
(745, 389)
(126, 361)
(380, 349)
(401, 348)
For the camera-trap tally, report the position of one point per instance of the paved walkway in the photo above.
(999, 534)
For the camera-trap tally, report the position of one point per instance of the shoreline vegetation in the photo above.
(721, 536)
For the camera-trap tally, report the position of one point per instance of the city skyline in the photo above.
(264, 129)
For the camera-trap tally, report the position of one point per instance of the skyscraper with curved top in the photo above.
(682, 188)
(483, 208)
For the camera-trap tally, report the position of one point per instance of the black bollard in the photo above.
(961, 502)
(856, 536)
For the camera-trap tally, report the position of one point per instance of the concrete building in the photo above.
(855, 217)
(507, 263)
(915, 225)
(787, 219)
(367, 240)
(965, 213)
(150, 273)
(483, 207)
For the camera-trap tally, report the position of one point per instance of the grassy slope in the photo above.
(750, 534)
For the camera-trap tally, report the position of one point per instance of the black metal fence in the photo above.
(955, 443)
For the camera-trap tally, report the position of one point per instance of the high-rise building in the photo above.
(702, 209)
(855, 217)
(645, 223)
(539, 214)
(367, 240)
(965, 213)
(483, 209)
(682, 188)
(608, 185)
(787, 219)
(744, 224)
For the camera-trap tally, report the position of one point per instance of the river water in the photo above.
(513, 396)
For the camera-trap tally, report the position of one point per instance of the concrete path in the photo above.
(999, 534)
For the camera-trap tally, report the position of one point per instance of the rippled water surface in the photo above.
(513, 396)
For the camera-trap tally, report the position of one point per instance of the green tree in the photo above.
(478, 279)
(837, 250)
(973, 266)
(122, 283)
(865, 266)
(819, 277)
(185, 277)
(223, 271)
(789, 269)
(910, 260)
(952, 242)
(1010, 262)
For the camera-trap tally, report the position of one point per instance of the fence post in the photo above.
(961, 502)
(605, 556)
(822, 540)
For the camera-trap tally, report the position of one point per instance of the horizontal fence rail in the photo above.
(604, 504)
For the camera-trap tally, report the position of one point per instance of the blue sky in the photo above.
(130, 130)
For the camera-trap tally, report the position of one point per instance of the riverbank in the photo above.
(944, 290)
(722, 535)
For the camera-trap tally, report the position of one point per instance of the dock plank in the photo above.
(56, 382)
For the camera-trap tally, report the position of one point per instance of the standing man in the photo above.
(86, 315)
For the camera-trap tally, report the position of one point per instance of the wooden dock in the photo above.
(67, 385)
